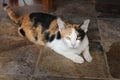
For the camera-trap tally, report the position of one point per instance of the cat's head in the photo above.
(72, 34)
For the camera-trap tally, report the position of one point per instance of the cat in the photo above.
(66, 39)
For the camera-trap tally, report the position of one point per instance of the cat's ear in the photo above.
(85, 25)
(21, 32)
(61, 24)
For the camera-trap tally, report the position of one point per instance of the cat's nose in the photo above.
(73, 45)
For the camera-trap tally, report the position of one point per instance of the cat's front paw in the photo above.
(78, 59)
(88, 58)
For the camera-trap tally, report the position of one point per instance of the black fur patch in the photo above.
(22, 32)
(58, 35)
(19, 23)
(41, 18)
(81, 33)
(5, 4)
(36, 38)
(49, 37)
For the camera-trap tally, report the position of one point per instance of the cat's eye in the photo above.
(68, 38)
(78, 38)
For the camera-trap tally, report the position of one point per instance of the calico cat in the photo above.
(66, 39)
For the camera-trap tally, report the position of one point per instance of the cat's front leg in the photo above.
(87, 55)
(74, 57)
(78, 59)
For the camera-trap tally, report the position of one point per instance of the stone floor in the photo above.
(23, 60)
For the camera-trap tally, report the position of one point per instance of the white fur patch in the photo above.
(61, 24)
(85, 25)
(72, 42)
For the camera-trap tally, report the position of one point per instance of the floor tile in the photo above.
(107, 8)
(61, 78)
(18, 56)
(12, 45)
(114, 59)
(93, 31)
(80, 9)
(108, 1)
(13, 77)
(9, 35)
(110, 31)
(16, 66)
(53, 64)
(110, 34)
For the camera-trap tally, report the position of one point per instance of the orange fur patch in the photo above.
(67, 31)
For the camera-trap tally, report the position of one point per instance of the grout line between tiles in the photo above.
(106, 62)
(37, 62)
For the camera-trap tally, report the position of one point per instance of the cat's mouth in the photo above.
(73, 47)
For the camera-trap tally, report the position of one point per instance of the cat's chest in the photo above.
(60, 45)
(57, 44)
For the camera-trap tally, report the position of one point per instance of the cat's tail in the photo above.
(13, 16)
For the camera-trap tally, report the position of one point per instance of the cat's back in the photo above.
(36, 18)
(43, 18)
